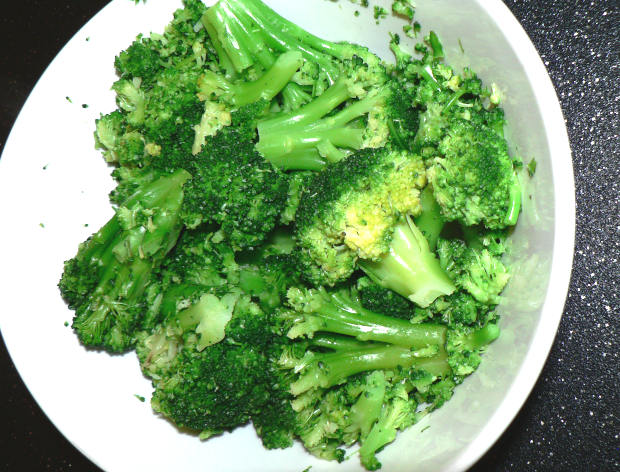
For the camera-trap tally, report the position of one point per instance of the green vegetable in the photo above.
(305, 238)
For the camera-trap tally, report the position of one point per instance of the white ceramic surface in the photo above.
(53, 182)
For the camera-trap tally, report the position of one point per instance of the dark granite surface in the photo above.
(570, 421)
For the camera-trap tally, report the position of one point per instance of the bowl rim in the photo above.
(563, 239)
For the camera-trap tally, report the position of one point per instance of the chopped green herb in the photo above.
(41, 225)
(380, 13)
(531, 167)
(140, 397)
(68, 99)
(66, 323)
(84, 105)
(461, 46)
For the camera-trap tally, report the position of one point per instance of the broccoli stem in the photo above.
(327, 370)
(294, 96)
(480, 337)
(266, 87)
(410, 268)
(246, 29)
(340, 343)
(337, 313)
(301, 159)
(272, 82)
(283, 137)
(312, 112)
(430, 222)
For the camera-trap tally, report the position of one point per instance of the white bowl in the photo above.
(89, 396)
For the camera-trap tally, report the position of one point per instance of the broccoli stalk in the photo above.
(306, 139)
(105, 281)
(430, 222)
(324, 370)
(410, 268)
(339, 313)
(244, 32)
(264, 88)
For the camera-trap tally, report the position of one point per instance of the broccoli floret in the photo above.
(397, 413)
(211, 365)
(233, 186)
(403, 8)
(478, 272)
(139, 61)
(131, 99)
(473, 177)
(228, 379)
(375, 298)
(465, 345)
(104, 283)
(349, 210)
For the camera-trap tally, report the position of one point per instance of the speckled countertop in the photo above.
(570, 421)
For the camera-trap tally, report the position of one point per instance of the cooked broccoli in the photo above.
(479, 272)
(210, 357)
(349, 210)
(378, 299)
(473, 177)
(305, 238)
(360, 375)
(340, 313)
(233, 186)
(105, 281)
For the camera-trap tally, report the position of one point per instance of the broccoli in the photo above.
(375, 298)
(233, 186)
(349, 210)
(247, 34)
(193, 373)
(478, 272)
(360, 375)
(473, 177)
(311, 130)
(208, 322)
(305, 238)
(105, 281)
(308, 139)
(340, 313)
